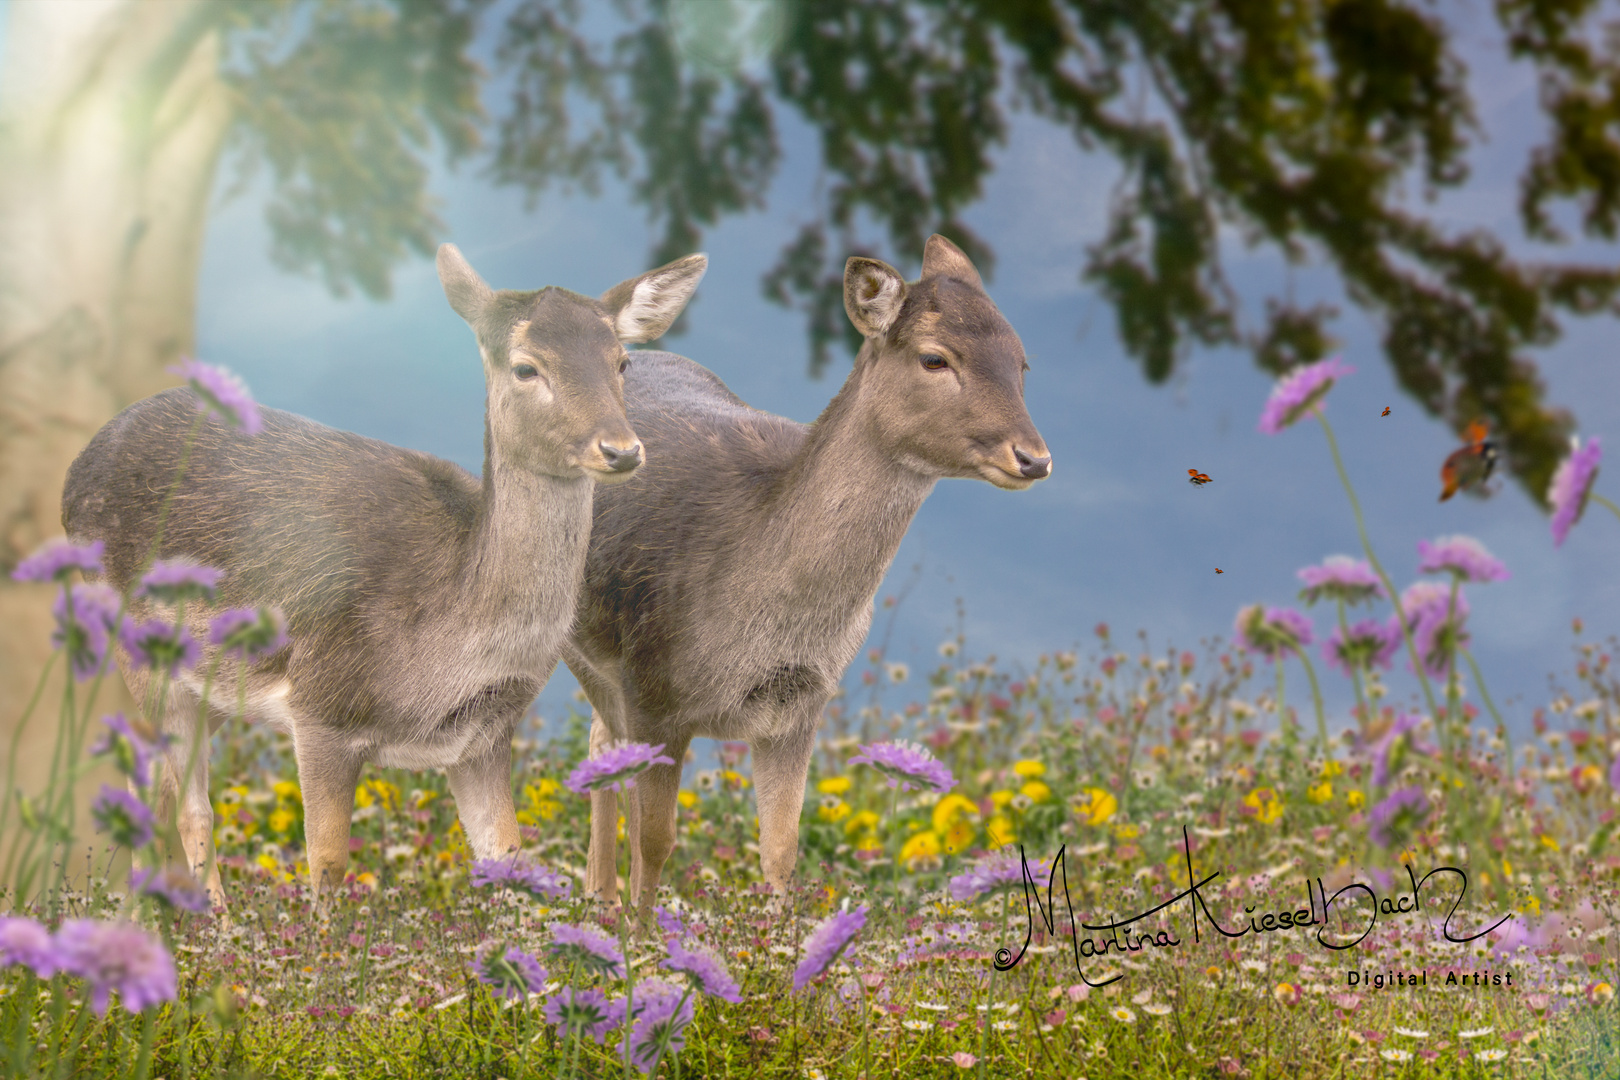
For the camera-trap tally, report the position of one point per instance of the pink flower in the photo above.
(1571, 485)
(1298, 392)
(221, 393)
(1272, 632)
(1462, 556)
(117, 956)
(56, 559)
(1340, 578)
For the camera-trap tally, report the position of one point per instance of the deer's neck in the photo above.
(528, 547)
(843, 506)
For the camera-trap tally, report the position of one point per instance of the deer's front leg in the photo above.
(483, 790)
(602, 857)
(781, 767)
(328, 773)
(655, 792)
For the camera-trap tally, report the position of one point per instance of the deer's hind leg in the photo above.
(180, 774)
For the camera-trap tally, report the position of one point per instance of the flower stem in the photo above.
(1316, 696)
(1485, 695)
(1600, 500)
(1366, 545)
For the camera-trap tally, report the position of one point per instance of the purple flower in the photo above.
(172, 885)
(662, 1014)
(707, 972)
(249, 633)
(1437, 629)
(221, 393)
(56, 559)
(511, 972)
(173, 581)
(1272, 632)
(616, 767)
(828, 939)
(159, 645)
(582, 945)
(907, 765)
(522, 876)
(669, 922)
(1614, 774)
(26, 942)
(1389, 753)
(583, 1012)
(1392, 820)
(117, 956)
(1371, 642)
(1298, 392)
(995, 874)
(122, 814)
(1571, 485)
(1340, 578)
(1462, 556)
(85, 618)
(131, 745)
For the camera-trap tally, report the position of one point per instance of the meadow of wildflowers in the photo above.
(912, 943)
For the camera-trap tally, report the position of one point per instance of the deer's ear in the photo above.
(940, 256)
(873, 293)
(465, 290)
(644, 307)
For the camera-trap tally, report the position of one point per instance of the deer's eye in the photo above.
(526, 372)
(934, 361)
(624, 365)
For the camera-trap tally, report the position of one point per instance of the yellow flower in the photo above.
(951, 808)
(367, 879)
(1029, 768)
(1331, 768)
(734, 777)
(378, 791)
(959, 835)
(686, 798)
(1531, 906)
(268, 861)
(621, 826)
(1320, 793)
(422, 799)
(282, 820)
(1601, 994)
(1000, 831)
(1001, 798)
(1094, 806)
(834, 785)
(863, 822)
(833, 809)
(1548, 841)
(1036, 791)
(921, 846)
(1265, 803)
(1356, 800)
(287, 791)
(1127, 831)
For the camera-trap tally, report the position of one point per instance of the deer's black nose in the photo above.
(620, 459)
(1033, 468)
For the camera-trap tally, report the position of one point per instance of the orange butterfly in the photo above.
(1218, 570)
(1467, 468)
(1385, 412)
(1196, 477)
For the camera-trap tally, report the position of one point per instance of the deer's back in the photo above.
(319, 521)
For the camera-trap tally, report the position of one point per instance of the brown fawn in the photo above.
(729, 586)
(426, 607)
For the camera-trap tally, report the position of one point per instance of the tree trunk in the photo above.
(112, 120)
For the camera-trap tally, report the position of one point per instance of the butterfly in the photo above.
(1196, 477)
(1467, 468)
(1385, 412)
(1218, 570)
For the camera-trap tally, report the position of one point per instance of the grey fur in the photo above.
(728, 587)
(426, 607)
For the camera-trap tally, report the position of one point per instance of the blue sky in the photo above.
(1116, 534)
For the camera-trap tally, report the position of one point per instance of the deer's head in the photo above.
(944, 370)
(554, 363)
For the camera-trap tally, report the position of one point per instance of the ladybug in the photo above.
(1218, 570)
(1385, 412)
(1196, 477)
(1467, 468)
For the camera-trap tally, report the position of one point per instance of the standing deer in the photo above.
(728, 588)
(426, 607)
